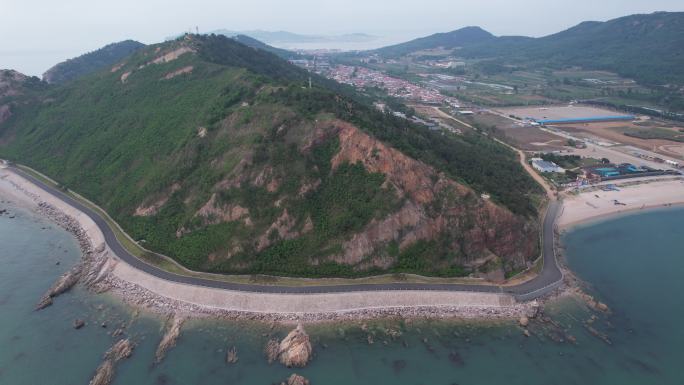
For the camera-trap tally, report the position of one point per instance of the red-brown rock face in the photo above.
(434, 206)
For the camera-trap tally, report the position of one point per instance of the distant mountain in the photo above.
(225, 158)
(254, 43)
(449, 40)
(91, 62)
(284, 37)
(648, 48)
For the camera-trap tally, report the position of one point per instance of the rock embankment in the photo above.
(93, 266)
(293, 351)
(105, 372)
(169, 340)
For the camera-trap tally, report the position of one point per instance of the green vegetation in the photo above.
(642, 47)
(90, 62)
(565, 161)
(480, 162)
(210, 166)
(656, 133)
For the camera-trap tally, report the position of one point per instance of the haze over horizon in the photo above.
(78, 26)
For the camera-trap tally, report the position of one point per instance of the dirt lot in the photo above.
(614, 131)
(526, 138)
(558, 112)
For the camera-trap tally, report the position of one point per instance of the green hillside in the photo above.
(459, 38)
(220, 156)
(647, 48)
(91, 62)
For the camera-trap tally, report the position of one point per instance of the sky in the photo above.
(40, 33)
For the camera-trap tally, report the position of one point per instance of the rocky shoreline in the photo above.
(98, 263)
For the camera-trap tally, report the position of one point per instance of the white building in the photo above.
(544, 166)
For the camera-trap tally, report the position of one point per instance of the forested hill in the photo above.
(449, 40)
(222, 157)
(648, 48)
(91, 61)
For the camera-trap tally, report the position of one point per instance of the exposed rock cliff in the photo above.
(435, 207)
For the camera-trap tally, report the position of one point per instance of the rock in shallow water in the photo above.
(293, 351)
(231, 356)
(169, 339)
(295, 348)
(105, 372)
(296, 379)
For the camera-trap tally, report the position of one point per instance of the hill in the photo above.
(647, 48)
(219, 156)
(254, 43)
(91, 61)
(449, 40)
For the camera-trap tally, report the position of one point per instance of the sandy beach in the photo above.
(595, 203)
(141, 289)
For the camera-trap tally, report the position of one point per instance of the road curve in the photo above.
(549, 278)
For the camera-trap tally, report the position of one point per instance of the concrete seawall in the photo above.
(138, 287)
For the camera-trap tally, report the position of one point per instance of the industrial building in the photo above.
(621, 171)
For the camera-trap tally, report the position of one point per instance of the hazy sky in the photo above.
(39, 33)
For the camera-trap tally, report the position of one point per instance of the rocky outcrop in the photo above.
(180, 71)
(105, 372)
(296, 379)
(212, 212)
(63, 284)
(272, 350)
(434, 206)
(173, 329)
(232, 355)
(295, 349)
(283, 227)
(151, 208)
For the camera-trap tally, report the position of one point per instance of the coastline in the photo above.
(142, 290)
(596, 205)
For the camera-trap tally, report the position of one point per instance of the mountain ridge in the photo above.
(90, 62)
(646, 47)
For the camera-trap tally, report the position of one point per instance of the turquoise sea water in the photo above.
(635, 264)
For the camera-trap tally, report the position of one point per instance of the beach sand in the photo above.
(598, 204)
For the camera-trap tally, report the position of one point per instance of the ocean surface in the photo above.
(634, 264)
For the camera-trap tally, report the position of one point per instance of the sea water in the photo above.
(635, 264)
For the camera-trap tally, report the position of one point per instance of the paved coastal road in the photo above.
(549, 278)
